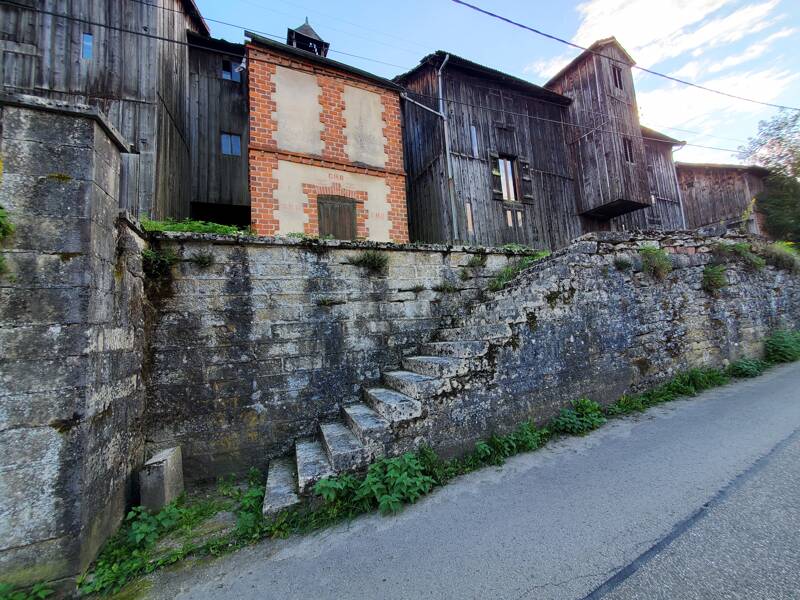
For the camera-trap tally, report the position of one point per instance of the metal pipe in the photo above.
(451, 192)
(405, 97)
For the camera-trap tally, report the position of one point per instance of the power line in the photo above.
(261, 60)
(643, 69)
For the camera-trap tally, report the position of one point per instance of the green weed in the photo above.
(157, 264)
(373, 261)
(189, 225)
(203, 259)
(445, 288)
(783, 255)
(746, 368)
(741, 251)
(507, 274)
(584, 416)
(37, 592)
(476, 261)
(655, 261)
(714, 279)
(782, 347)
(622, 263)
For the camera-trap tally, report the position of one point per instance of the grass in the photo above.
(507, 274)
(476, 261)
(622, 263)
(714, 279)
(388, 485)
(445, 288)
(655, 262)
(6, 230)
(373, 261)
(741, 251)
(783, 255)
(191, 226)
(158, 263)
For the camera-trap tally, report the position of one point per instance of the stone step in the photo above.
(436, 366)
(367, 425)
(281, 490)
(414, 385)
(466, 349)
(345, 451)
(489, 331)
(392, 405)
(312, 464)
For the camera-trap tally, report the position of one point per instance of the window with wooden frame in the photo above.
(627, 149)
(616, 73)
(511, 178)
(231, 144)
(230, 71)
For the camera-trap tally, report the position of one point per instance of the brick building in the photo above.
(325, 151)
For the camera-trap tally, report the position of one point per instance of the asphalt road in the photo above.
(696, 499)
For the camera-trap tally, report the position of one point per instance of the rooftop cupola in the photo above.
(305, 38)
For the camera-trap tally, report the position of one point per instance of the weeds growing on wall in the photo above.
(741, 251)
(445, 288)
(203, 259)
(783, 255)
(6, 231)
(37, 592)
(622, 263)
(190, 226)
(157, 264)
(714, 279)
(373, 261)
(655, 262)
(507, 274)
(388, 485)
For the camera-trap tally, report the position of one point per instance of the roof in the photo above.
(214, 44)
(752, 169)
(321, 60)
(194, 13)
(438, 57)
(593, 49)
(308, 31)
(652, 134)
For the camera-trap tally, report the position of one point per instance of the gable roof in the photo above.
(197, 18)
(308, 31)
(321, 60)
(653, 135)
(437, 58)
(595, 48)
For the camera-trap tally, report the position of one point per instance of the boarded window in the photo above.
(627, 149)
(509, 218)
(337, 217)
(470, 223)
(87, 46)
(230, 71)
(504, 177)
(231, 144)
(617, 74)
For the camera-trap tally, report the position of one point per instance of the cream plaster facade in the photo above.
(298, 112)
(363, 114)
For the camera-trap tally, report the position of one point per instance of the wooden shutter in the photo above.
(337, 217)
(497, 184)
(525, 181)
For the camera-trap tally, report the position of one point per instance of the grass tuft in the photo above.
(584, 416)
(373, 261)
(782, 347)
(203, 259)
(622, 263)
(507, 274)
(741, 251)
(190, 226)
(157, 264)
(783, 255)
(714, 279)
(655, 262)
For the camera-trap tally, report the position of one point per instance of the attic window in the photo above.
(627, 149)
(617, 74)
(231, 144)
(230, 71)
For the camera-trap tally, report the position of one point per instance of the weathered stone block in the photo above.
(161, 479)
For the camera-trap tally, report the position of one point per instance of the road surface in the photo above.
(699, 498)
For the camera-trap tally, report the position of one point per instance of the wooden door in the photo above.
(337, 217)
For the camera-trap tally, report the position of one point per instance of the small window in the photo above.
(470, 223)
(473, 136)
(519, 219)
(617, 73)
(87, 42)
(508, 180)
(627, 149)
(231, 144)
(230, 71)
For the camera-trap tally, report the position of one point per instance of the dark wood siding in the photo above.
(337, 217)
(717, 195)
(217, 105)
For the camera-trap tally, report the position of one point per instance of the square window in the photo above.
(230, 71)
(231, 144)
(508, 181)
(87, 41)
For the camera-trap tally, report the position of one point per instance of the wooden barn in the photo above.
(493, 159)
(717, 194)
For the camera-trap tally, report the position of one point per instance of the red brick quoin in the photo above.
(264, 154)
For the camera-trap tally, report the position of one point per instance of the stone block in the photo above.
(161, 479)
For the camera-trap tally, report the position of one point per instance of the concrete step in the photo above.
(414, 385)
(367, 425)
(312, 464)
(436, 366)
(489, 331)
(345, 451)
(281, 490)
(464, 349)
(392, 405)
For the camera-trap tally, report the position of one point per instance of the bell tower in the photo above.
(305, 38)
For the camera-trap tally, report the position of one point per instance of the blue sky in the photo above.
(745, 47)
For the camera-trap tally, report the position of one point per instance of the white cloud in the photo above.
(751, 52)
(546, 68)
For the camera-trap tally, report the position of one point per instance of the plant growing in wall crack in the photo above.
(157, 264)
(655, 262)
(203, 259)
(6, 230)
(373, 261)
(714, 279)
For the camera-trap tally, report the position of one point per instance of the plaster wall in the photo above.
(363, 113)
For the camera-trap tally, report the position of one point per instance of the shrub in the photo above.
(782, 255)
(655, 262)
(742, 251)
(372, 260)
(622, 263)
(157, 263)
(747, 367)
(584, 416)
(782, 347)
(714, 279)
(189, 225)
(37, 592)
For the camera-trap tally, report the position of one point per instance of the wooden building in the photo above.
(494, 159)
(325, 149)
(129, 59)
(718, 194)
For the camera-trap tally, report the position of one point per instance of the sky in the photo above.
(744, 47)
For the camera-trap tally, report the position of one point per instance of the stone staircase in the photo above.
(368, 430)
